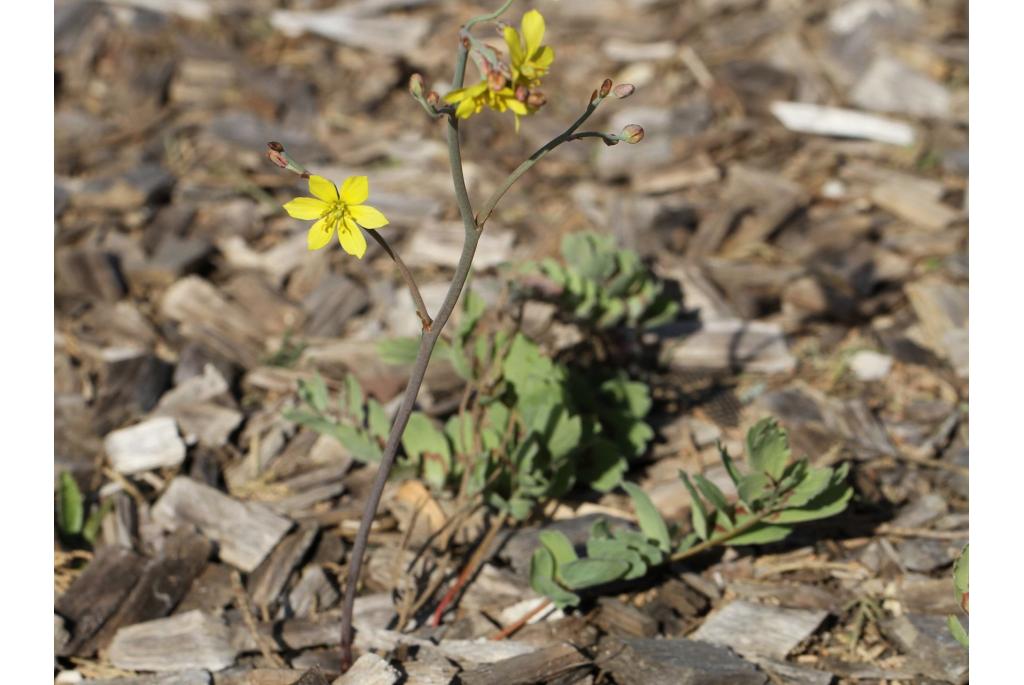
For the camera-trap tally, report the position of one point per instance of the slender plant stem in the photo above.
(410, 282)
(427, 342)
(566, 135)
(485, 17)
(678, 556)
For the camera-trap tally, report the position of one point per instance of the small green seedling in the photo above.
(960, 587)
(72, 523)
(777, 493)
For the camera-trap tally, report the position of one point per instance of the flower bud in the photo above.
(416, 85)
(275, 153)
(623, 90)
(606, 87)
(433, 99)
(536, 99)
(593, 97)
(495, 80)
(631, 133)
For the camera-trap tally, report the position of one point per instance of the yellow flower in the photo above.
(339, 212)
(472, 99)
(530, 60)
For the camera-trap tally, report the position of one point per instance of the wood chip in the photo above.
(758, 629)
(191, 640)
(266, 582)
(163, 583)
(245, 532)
(369, 669)
(639, 661)
(539, 666)
(752, 346)
(804, 117)
(151, 444)
(96, 593)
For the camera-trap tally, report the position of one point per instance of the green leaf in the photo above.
(92, 525)
(957, 629)
(961, 574)
(520, 508)
(424, 442)
(600, 530)
(687, 542)
(729, 464)
(815, 482)
(459, 430)
(583, 573)
(542, 579)
(753, 488)
(560, 547)
(768, 448)
(564, 436)
(398, 351)
(354, 398)
(651, 523)
(70, 508)
(314, 393)
(760, 534)
(608, 548)
(715, 496)
(461, 362)
(830, 502)
(603, 466)
(357, 442)
(473, 307)
(652, 554)
(377, 419)
(698, 515)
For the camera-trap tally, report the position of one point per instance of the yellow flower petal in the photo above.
(544, 57)
(355, 190)
(461, 94)
(323, 189)
(306, 208)
(516, 106)
(352, 239)
(465, 109)
(367, 216)
(320, 234)
(533, 31)
(515, 46)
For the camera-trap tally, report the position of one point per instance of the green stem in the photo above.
(566, 135)
(419, 369)
(410, 282)
(723, 538)
(486, 17)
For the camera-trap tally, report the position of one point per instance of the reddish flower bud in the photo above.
(623, 90)
(416, 85)
(606, 87)
(433, 99)
(631, 133)
(495, 80)
(536, 99)
(593, 97)
(522, 93)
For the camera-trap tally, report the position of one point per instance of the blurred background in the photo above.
(803, 180)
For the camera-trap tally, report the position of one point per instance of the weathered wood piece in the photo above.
(624, 620)
(917, 208)
(190, 677)
(266, 582)
(639, 661)
(793, 674)
(753, 346)
(805, 117)
(929, 646)
(369, 669)
(312, 594)
(191, 640)
(245, 532)
(758, 629)
(246, 675)
(96, 593)
(208, 317)
(536, 667)
(164, 581)
(152, 444)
